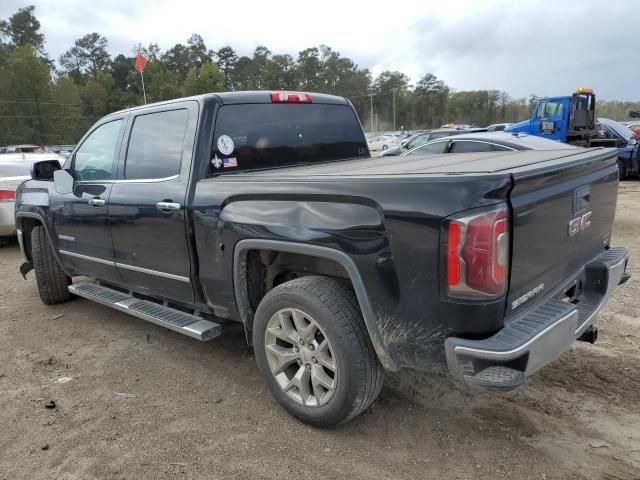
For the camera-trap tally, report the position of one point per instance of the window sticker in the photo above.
(225, 145)
(216, 162)
(229, 162)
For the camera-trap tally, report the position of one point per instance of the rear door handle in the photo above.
(97, 202)
(168, 206)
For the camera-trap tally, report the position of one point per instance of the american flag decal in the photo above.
(229, 162)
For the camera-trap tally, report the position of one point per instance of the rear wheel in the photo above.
(313, 351)
(52, 282)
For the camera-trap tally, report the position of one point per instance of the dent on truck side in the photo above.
(308, 227)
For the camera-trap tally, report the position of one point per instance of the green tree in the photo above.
(23, 29)
(25, 83)
(206, 79)
(227, 59)
(88, 56)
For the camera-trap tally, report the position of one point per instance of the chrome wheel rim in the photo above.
(301, 358)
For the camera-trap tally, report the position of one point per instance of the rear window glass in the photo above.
(15, 169)
(467, 147)
(155, 147)
(254, 136)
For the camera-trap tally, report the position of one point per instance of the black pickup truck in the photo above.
(267, 209)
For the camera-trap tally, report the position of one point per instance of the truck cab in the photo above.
(569, 119)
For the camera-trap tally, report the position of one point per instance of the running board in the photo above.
(176, 320)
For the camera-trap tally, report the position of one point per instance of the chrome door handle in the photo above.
(168, 206)
(97, 202)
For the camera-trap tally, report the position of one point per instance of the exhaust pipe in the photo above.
(590, 335)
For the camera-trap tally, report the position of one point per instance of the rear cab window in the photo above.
(260, 136)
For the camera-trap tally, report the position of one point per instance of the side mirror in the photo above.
(63, 181)
(44, 170)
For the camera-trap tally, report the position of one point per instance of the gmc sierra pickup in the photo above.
(267, 209)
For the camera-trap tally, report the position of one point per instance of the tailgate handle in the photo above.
(581, 198)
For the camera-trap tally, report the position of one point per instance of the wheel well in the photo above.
(262, 270)
(27, 225)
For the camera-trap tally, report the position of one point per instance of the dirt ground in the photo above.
(142, 402)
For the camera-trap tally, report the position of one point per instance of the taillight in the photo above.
(478, 254)
(7, 195)
(290, 97)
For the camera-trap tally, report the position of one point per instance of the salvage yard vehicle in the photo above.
(569, 119)
(266, 208)
(14, 169)
(627, 143)
(496, 141)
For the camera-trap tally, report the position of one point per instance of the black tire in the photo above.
(334, 307)
(4, 241)
(622, 171)
(384, 147)
(52, 282)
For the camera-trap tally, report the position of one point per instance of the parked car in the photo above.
(22, 149)
(634, 126)
(434, 134)
(627, 143)
(488, 142)
(498, 127)
(383, 142)
(265, 208)
(14, 169)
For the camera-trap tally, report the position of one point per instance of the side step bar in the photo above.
(176, 320)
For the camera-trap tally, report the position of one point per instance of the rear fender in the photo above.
(243, 246)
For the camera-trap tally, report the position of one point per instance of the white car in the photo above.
(15, 169)
(383, 142)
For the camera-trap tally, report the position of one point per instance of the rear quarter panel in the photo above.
(390, 228)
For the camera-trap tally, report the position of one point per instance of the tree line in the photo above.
(47, 102)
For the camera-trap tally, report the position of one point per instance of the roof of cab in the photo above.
(228, 98)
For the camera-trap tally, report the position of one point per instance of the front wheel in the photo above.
(384, 147)
(52, 282)
(313, 350)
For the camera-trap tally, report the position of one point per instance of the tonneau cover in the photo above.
(461, 163)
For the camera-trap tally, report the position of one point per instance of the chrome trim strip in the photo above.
(87, 257)
(153, 272)
(141, 180)
(148, 180)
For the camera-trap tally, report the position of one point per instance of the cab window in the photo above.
(94, 159)
(550, 109)
(155, 145)
(467, 147)
(430, 149)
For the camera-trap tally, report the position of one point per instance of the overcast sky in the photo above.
(521, 47)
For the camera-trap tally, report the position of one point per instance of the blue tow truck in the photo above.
(572, 119)
(569, 119)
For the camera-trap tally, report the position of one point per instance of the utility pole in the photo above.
(393, 90)
(371, 95)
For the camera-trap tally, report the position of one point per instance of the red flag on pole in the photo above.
(141, 62)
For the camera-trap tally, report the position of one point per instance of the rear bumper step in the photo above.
(176, 320)
(503, 361)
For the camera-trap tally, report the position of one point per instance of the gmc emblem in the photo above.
(579, 224)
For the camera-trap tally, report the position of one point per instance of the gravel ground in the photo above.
(137, 401)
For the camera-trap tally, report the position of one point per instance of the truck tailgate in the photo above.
(562, 218)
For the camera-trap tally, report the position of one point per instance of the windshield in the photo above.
(618, 128)
(256, 136)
